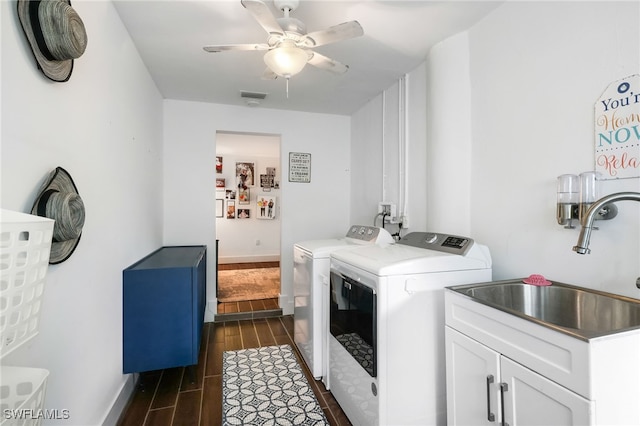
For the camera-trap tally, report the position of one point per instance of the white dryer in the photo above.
(386, 334)
(311, 290)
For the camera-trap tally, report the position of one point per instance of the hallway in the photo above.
(252, 307)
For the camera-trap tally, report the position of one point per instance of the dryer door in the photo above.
(352, 317)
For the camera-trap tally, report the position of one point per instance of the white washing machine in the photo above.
(386, 334)
(311, 290)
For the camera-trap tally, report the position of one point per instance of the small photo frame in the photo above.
(231, 209)
(218, 164)
(266, 182)
(230, 194)
(220, 183)
(245, 174)
(244, 214)
(266, 207)
(244, 196)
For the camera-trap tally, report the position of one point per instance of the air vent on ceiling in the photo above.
(252, 95)
(252, 98)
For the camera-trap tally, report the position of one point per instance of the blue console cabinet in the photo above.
(164, 298)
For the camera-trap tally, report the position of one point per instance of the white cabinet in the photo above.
(473, 373)
(485, 388)
(551, 378)
(532, 400)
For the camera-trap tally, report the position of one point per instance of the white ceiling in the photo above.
(169, 35)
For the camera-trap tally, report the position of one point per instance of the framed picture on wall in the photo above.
(219, 207)
(244, 196)
(300, 167)
(231, 209)
(245, 174)
(267, 182)
(218, 164)
(220, 183)
(244, 213)
(266, 207)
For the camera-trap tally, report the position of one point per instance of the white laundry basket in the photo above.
(22, 395)
(25, 245)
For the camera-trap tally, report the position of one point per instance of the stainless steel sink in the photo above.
(581, 312)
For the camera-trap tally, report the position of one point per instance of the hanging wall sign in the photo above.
(299, 167)
(617, 130)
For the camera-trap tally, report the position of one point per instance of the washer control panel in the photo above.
(369, 234)
(453, 244)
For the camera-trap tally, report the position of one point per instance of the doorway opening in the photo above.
(248, 223)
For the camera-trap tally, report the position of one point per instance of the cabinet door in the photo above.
(157, 320)
(473, 378)
(531, 399)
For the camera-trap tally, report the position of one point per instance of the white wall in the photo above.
(105, 127)
(309, 211)
(449, 150)
(376, 160)
(536, 70)
(509, 108)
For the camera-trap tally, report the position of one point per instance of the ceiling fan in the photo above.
(289, 45)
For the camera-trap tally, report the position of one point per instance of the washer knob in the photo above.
(431, 238)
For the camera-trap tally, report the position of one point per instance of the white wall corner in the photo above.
(286, 303)
(121, 401)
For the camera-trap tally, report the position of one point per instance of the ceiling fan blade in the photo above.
(338, 32)
(263, 15)
(328, 64)
(269, 75)
(226, 47)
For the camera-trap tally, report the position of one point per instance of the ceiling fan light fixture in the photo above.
(286, 60)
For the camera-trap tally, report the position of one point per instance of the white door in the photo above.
(531, 399)
(473, 378)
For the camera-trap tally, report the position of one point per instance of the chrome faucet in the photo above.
(582, 247)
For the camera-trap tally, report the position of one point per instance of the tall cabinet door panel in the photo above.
(156, 317)
(533, 400)
(163, 301)
(473, 377)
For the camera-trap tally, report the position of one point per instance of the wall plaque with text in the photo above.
(299, 167)
(617, 130)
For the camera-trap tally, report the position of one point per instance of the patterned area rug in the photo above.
(248, 284)
(266, 386)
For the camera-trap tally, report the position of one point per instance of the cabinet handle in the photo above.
(503, 388)
(490, 416)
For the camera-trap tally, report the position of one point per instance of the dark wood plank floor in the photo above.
(247, 306)
(169, 398)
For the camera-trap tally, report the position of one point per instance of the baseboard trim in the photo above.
(238, 316)
(249, 259)
(121, 401)
(286, 304)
